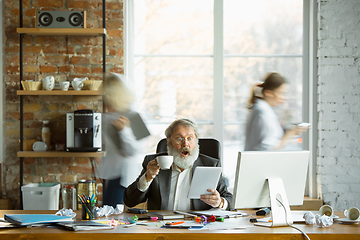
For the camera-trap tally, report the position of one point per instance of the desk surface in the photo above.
(249, 231)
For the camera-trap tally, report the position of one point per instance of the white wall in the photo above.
(339, 97)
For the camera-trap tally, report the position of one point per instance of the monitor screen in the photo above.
(251, 188)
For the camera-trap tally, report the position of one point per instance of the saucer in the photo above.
(347, 221)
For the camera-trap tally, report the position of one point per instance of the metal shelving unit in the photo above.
(61, 32)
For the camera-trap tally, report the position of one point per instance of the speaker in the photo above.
(61, 19)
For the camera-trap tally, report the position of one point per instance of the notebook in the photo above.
(84, 225)
(166, 214)
(29, 219)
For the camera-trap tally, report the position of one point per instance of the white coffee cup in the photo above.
(352, 213)
(326, 210)
(81, 79)
(39, 146)
(48, 83)
(164, 161)
(77, 84)
(64, 85)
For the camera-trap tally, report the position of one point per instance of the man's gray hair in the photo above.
(181, 122)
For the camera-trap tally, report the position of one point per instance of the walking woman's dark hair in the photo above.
(272, 81)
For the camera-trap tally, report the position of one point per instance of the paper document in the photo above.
(217, 212)
(204, 178)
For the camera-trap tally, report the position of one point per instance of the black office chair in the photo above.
(208, 146)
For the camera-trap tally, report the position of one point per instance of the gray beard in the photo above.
(184, 162)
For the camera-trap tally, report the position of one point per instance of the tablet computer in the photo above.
(204, 178)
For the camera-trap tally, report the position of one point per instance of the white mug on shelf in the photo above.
(81, 79)
(77, 84)
(48, 83)
(64, 85)
(39, 146)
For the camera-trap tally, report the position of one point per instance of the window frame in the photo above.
(309, 81)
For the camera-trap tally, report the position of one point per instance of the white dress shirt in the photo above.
(263, 129)
(179, 189)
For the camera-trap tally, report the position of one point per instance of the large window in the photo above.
(199, 59)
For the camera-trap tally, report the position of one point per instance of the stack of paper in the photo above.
(84, 225)
(167, 214)
(218, 213)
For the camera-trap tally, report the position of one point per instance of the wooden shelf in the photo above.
(59, 154)
(62, 31)
(59, 92)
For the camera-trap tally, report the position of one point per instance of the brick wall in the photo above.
(339, 112)
(64, 58)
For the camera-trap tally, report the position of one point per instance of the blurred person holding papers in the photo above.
(120, 143)
(263, 129)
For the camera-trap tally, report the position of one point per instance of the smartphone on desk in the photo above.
(137, 210)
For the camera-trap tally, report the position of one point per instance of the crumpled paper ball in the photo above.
(321, 221)
(107, 210)
(66, 212)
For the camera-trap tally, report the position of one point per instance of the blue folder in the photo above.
(30, 219)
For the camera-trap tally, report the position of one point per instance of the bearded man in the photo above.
(168, 189)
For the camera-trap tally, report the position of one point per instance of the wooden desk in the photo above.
(336, 231)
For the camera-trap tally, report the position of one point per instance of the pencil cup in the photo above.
(88, 211)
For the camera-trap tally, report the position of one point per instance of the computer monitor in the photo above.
(264, 179)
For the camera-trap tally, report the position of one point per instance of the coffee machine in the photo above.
(83, 131)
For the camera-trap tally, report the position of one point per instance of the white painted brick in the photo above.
(340, 152)
(333, 42)
(327, 125)
(354, 109)
(352, 75)
(338, 61)
(349, 36)
(346, 179)
(334, 32)
(331, 143)
(336, 187)
(348, 126)
(352, 100)
(332, 115)
(355, 187)
(338, 52)
(329, 161)
(329, 99)
(331, 102)
(332, 170)
(334, 134)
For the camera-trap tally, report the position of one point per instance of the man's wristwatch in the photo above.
(221, 205)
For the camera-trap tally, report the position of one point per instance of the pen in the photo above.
(176, 223)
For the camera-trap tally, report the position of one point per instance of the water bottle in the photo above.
(69, 197)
